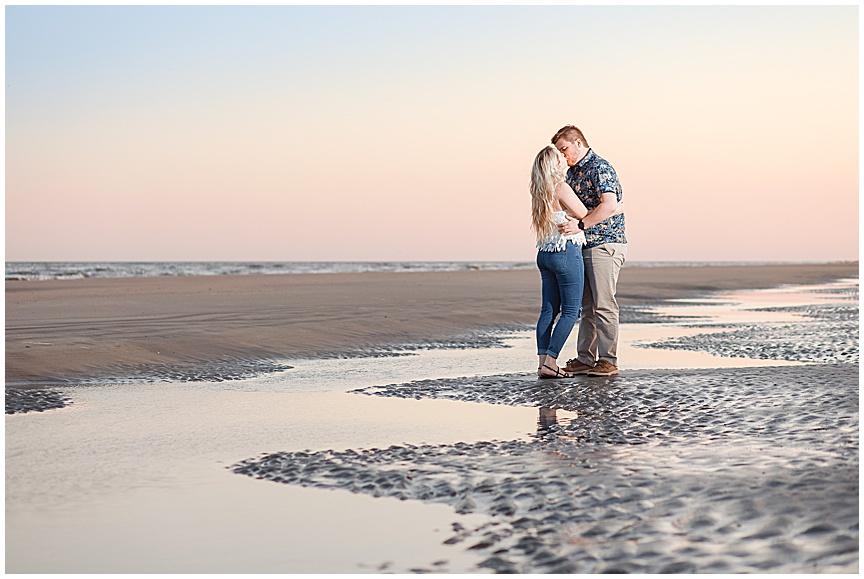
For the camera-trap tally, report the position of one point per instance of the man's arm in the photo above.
(608, 206)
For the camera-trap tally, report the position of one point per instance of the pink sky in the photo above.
(407, 133)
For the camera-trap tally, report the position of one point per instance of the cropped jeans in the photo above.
(563, 276)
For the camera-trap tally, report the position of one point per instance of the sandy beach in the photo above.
(250, 424)
(220, 327)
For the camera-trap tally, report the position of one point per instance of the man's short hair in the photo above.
(569, 133)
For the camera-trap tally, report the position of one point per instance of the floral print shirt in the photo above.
(590, 178)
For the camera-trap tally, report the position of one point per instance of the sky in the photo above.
(407, 133)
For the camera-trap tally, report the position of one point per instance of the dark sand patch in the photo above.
(19, 401)
(829, 334)
(738, 470)
(490, 338)
(203, 371)
(645, 314)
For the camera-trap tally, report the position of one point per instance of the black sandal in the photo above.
(558, 374)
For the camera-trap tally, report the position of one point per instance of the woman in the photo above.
(559, 257)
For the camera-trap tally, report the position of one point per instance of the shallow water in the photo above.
(135, 477)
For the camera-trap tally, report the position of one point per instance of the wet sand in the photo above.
(658, 472)
(687, 462)
(233, 327)
(733, 470)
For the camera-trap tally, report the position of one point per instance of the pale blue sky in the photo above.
(149, 132)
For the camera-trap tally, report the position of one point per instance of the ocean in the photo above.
(27, 271)
(31, 271)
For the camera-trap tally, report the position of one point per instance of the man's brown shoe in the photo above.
(603, 368)
(575, 367)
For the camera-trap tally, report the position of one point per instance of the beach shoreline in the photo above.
(68, 331)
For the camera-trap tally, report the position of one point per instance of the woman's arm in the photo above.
(568, 200)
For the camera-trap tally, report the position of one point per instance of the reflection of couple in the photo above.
(578, 216)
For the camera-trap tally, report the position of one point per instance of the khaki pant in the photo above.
(598, 330)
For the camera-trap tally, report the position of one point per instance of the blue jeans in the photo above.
(563, 276)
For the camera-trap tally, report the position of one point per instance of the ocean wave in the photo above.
(31, 271)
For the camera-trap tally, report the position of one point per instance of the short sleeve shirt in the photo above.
(590, 178)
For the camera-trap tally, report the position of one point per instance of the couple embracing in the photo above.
(577, 214)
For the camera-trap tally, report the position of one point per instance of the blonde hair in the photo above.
(545, 175)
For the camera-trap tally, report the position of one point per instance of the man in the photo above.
(596, 184)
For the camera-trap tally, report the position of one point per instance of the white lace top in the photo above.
(556, 241)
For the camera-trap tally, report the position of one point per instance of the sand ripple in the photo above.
(738, 470)
(829, 334)
(19, 401)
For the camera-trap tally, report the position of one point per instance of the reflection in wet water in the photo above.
(546, 420)
(552, 423)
